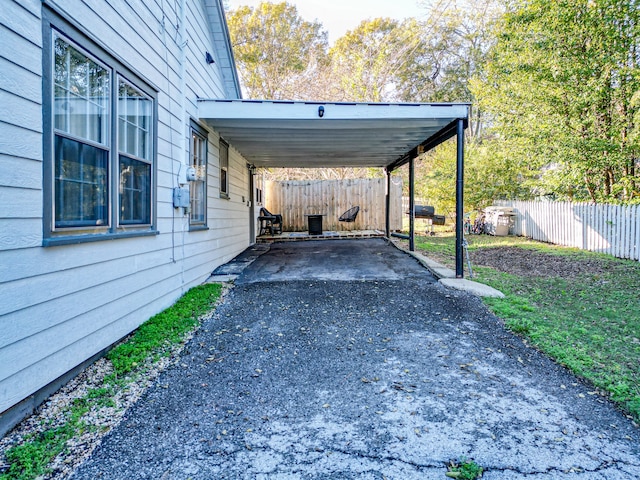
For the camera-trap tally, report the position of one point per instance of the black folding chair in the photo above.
(350, 215)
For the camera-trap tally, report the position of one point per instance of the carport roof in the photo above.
(271, 133)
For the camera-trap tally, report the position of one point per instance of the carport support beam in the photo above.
(387, 201)
(460, 199)
(412, 209)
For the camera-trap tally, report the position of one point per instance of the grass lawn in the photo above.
(584, 311)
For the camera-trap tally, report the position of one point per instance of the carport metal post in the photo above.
(412, 206)
(459, 198)
(387, 205)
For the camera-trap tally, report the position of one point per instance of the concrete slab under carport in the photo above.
(342, 260)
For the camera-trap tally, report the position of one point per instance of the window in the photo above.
(100, 179)
(224, 169)
(198, 188)
(134, 153)
(81, 145)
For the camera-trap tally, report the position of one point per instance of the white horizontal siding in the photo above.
(19, 233)
(108, 301)
(61, 305)
(204, 79)
(20, 202)
(123, 318)
(20, 16)
(20, 142)
(20, 50)
(20, 173)
(16, 265)
(20, 82)
(45, 289)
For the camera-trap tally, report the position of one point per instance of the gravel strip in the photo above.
(100, 421)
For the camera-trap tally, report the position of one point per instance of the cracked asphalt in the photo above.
(347, 360)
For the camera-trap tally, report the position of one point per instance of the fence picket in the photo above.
(611, 229)
(637, 235)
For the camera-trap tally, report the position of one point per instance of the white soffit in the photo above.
(293, 134)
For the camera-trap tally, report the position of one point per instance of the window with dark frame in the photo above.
(198, 187)
(101, 174)
(134, 150)
(224, 169)
(81, 119)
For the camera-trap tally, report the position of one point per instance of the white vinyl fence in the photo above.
(611, 229)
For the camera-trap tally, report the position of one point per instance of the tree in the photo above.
(276, 51)
(455, 40)
(368, 61)
(560, 85)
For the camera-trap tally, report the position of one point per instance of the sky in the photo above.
(339, 16)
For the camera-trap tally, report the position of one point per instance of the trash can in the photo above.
(499, 220)
(315, 224)
(502, 225)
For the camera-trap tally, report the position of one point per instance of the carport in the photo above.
(322, 134)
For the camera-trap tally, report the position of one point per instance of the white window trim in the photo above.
(202, 175)
(224, 193)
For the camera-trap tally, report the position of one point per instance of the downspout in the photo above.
(182, 30)
(183, 156)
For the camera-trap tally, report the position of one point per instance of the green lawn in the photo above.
(589, 322)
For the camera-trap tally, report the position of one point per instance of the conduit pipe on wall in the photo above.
(182, 46)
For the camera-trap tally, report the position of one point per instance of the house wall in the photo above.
(61, 305)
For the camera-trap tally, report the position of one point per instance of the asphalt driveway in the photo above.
(347, 360)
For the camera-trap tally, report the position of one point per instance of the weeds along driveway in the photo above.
(348, 372)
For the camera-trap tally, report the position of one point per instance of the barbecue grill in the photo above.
(427, 212)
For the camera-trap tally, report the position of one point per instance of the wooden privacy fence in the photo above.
(611, 229)
(331, 198)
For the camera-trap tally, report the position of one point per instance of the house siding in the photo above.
(61, 305)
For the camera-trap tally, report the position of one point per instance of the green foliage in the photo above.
(163, 329)
(464, 470)
(368, 62)
(559, 86)
(31, 458)
(276, 51)
(490, 174)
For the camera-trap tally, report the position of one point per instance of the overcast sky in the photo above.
(338, 16)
